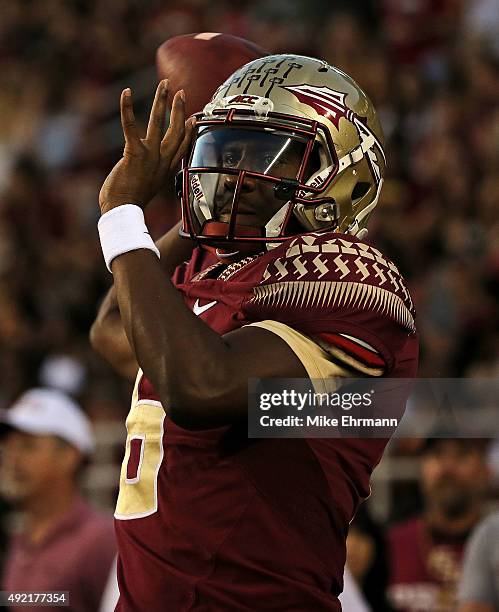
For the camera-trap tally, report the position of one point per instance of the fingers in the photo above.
(156, 125)
(176, 130)
(178, 136)
(128, 119)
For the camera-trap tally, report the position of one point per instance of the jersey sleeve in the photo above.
(342, 294)
(324, 372)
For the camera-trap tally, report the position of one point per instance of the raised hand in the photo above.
(146, 162)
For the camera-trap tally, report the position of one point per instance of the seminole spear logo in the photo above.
(331, 105)
(326, 102)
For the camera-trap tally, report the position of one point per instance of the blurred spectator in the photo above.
(479, 589)
(62, 372)
(367, 559)
(418, 31)
(426, 551)
(63, 544)
(481, 21)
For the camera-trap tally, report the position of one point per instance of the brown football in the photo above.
(199, 63)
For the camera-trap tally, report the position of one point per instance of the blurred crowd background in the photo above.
(431, 68)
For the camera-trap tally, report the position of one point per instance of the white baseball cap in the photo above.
(50, 412)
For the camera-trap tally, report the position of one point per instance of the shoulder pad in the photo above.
(325, 271)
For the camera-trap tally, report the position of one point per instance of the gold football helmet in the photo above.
(291, 136)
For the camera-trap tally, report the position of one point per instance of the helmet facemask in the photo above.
(244, 180)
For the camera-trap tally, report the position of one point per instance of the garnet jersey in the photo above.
(210, 520)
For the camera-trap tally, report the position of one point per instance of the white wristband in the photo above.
(122, 230)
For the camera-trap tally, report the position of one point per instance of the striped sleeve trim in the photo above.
(352, 353)
(334, 294)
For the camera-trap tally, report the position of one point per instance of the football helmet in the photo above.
(293, 135)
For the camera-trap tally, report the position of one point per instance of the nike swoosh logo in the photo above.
(197, 309)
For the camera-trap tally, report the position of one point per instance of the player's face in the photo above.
(453, 477)
(268, 153)
(32, 465)
(257, 203)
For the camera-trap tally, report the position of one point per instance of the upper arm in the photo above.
(250, 353)
(260, 353)
(108, 338)
(268, 349)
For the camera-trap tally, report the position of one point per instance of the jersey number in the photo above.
(138, 496)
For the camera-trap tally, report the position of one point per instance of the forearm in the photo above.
(185, 360)
(145, 166)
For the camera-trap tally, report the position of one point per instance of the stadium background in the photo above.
(432, 70)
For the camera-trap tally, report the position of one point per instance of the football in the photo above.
(199, 63)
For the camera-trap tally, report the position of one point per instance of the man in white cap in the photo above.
(64, 544)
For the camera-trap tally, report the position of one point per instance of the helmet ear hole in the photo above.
(359, 191)
(315, 161)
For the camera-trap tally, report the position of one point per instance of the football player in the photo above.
(282, 170)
